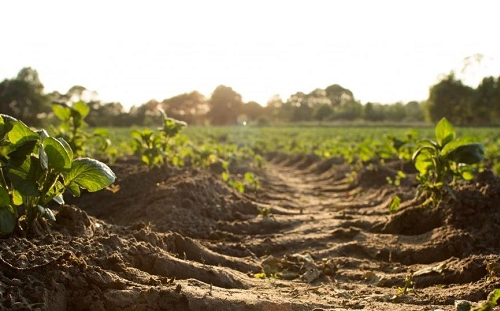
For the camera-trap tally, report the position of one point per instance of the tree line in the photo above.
(23, 97)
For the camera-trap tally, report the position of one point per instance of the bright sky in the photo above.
(133, 51)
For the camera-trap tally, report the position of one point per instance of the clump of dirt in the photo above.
(189, 201)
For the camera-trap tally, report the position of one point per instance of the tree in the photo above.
(451, 99)
(23, 98)
(225, 106)
(252, 110)
(338, 95)
(486, 103)
(187, 107)
(414, 112)
(323, 112)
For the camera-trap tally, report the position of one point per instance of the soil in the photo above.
(312, 238)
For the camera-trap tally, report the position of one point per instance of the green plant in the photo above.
(394, 205)
(251, 181)
(445, 160)
(148, 146)
(156, 148)
(408, 285)
(397, 179)
(491, 303)
(37, 169)
(72, 127)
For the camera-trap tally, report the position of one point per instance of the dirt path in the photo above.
(310, 239)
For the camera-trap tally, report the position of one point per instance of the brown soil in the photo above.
(180, 239)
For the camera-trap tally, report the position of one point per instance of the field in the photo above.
(277, 218)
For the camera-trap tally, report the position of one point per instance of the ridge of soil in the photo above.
(181, 239)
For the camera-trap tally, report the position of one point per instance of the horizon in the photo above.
(132, 54)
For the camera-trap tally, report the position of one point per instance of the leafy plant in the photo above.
(72, 127)
(445, 160)
(251, 181)
(156, 147)
(394, 205)
(408, 285)
(37, 169)
(491, 303)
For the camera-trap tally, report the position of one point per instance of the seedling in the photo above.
(408, 285)
(491, 303)
(445, 160)
(251, 181)
(72, 127)
(37, 169)
(394, 205)
(155, 147)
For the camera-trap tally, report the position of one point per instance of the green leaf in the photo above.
(466, 140)
(58, 157)
(44, 159)
(6, 124)
(444, 132)
(62, 111)
(493, 299)
(89, 174)
(67, 147)
(394, 205)
(468, 154)
(82, 109)
(4, 197)
(20, 134)
(494, 296)
(24, 176)
(74, 189)
(423, 161)
(466, 172)
(8, 219)
(225, 176)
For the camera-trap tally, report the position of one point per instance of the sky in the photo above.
(133, 51)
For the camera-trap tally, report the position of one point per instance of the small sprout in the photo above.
(407, 287)
(394, 205)
(447, 159)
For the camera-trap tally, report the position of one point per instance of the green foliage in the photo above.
(157, 148)
(394, 205)
(447, 159)
(72, 128)
(37, 169)
(491, 303)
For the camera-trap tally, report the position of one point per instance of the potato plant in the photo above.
(157, 148)
(37, 169)
(444, 161)
(72, 128)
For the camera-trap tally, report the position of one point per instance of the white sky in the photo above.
(383, 51)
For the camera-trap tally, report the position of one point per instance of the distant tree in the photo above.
(486, 102)
(373, 112)
(395, 112)
(252, 110)
(414, 112)
(108, 114)
(146, 114)
(187, 107)
(350, 110)
(338, 95)
(272, 109)
(225, 106)
(301, 111)
(323, 112)
(23, 98)
(452, 99)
